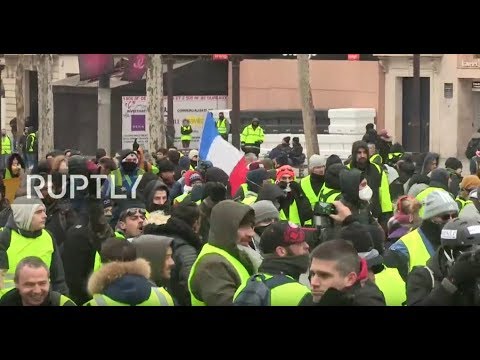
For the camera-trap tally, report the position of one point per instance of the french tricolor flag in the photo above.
(222, 154)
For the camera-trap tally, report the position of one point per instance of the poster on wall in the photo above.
(192, 108)
(134, 121)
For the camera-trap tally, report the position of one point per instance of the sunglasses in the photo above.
(132, 212)
(447, 217)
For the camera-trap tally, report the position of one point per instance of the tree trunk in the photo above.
(308, 111)
(19, 76)
(45, 105)
(155, 109)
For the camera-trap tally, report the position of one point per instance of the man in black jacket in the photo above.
(338, 276)
(451, 276)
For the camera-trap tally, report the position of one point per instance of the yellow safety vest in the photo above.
(22, 247)
(293, 215)
(33, 136)
(417, 251)
(244, 189)
(386, 204)
(328, 195)
(249, 199)
(155, 170)
(307, 188)
(462, 203)
(290, 294)
(186, 137)
(251, 136)
(158, 297)
(6, 145)
(180, 198)
(392, 286)
(376, 159)
(210, 249)
(222, 126)
(395, 156)
(119, 178)
(423, 195)
(8, 174)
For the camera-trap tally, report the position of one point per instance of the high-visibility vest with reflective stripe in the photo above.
(6, 145)
(417, 251)
(307, 188)
(293, 215)
(22, 247)
(180, 198)
(289, 294)
(98, 260)
(33, 136)
(386, 204)
(119, 177)
(328, 195)
(186, 137)
(251, 136)
(244, 189)
(395, 156)
(376, 159)
(222, 126)
(392, 286)
(210, 249)
(462, 203)
(158, 297)
(63, 300)
(423, 195)
(249, 199)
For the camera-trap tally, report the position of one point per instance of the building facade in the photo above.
(449, 100)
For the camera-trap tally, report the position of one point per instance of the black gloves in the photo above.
(465, 271)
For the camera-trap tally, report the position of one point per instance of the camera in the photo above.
(321, 214)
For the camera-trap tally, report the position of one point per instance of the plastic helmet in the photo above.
(461, 233)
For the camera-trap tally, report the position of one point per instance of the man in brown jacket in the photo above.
(220, 267)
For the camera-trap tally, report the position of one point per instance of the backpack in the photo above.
(258, 290)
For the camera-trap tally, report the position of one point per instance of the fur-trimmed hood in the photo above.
(125, 282)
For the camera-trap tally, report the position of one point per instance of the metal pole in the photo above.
(104, 108)
(170, 117)
(416, 141)
(235, 114)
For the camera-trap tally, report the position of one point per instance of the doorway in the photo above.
(407, 112)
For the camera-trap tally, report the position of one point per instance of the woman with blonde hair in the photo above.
(406, 218)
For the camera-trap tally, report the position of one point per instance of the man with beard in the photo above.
(415, 248)
(381, 203)
(294, 206)
(156, 197)
(286, 258)
(313, 183)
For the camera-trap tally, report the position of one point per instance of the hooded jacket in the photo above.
(350, 181)
(429, 287)
(271, 192)
(215, 280)
(381, 204)
(153, 248)
(186, 246)
(150, 189)
(20, 222)
(422, 174)
(124, 282)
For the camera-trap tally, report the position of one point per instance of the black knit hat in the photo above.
(333, 159)
(453, 163)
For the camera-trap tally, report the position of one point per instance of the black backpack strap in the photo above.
(277, 280)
